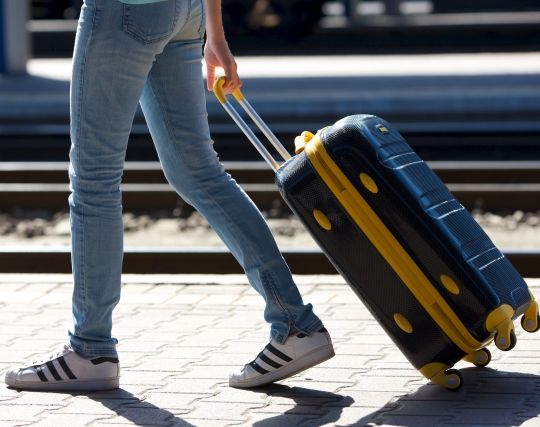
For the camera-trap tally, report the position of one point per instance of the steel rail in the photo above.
(436, 141)
(439, 129)
(199, 260)
(137, 197)
(258, 172)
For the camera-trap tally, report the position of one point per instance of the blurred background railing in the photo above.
(340, 26)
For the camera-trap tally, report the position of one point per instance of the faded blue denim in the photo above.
(125, 54)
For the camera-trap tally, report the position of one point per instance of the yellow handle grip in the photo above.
(220, 94)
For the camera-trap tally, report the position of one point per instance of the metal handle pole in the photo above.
(222, 97)
(251, 136)
(264, 129)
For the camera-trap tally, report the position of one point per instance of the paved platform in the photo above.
(181, 335)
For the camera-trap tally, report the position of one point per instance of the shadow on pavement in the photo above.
(488, 397)
(313, 407)
(137, 411)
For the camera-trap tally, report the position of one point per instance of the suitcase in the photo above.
(412, 253)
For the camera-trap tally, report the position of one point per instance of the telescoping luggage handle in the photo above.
(239, 96)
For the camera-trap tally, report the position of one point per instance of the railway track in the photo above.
(494, 186)
(436, 140)
(199, 260)
(43, 185)
(258, 172)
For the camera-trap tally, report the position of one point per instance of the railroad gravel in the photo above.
(518, 230)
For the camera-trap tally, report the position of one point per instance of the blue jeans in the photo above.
(126, 54)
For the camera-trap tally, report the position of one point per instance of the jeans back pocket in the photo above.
(151, 22)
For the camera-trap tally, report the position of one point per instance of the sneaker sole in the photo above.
(72, 385)
(305, 362)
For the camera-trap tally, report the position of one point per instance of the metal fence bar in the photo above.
(14, 36)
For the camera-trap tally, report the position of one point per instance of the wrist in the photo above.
(215, 35)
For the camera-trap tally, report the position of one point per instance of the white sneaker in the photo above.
(279, 361)
(67, 371)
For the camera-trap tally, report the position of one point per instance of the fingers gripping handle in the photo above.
(222, 98)
(220, 94)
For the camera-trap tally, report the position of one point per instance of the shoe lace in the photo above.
(52, 356)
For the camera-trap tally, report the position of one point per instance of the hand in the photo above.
(218, 54)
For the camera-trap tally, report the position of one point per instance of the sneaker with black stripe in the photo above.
(279, 361)
(65, 370)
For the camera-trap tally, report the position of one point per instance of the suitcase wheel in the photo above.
(506, 341)
(453, 379)
(500, 322)
(531, 319)
(440, 374)
(480, 358)
(530, 325)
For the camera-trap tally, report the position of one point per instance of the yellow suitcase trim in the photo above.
(389, 247)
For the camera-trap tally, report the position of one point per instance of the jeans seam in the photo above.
(269, 281)
(77, 177)
(203, 19)
(292, 321)
(152, 84)
(188, 14)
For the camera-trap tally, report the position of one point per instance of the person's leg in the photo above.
(114, 50)
(109, 72)
(174, 106)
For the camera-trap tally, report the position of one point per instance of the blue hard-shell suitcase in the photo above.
(412, 253)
